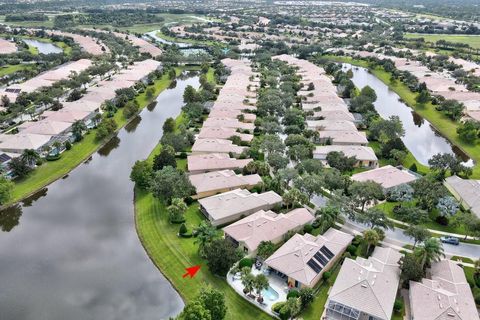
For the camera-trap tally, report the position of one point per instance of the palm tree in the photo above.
(371, 237)
(260, 284)
(248, 281)
(78, 127)
(327, 217)
(30, 156)
(205, 234)
(430, 251)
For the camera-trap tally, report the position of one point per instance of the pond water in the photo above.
(153, 34)
(71, 251)
(43, 47)
(420, 136)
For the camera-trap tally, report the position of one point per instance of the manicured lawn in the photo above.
(172, 255)
(442, 124)
(473, 41)
(407, 162)
(8, 69)
(53, 170)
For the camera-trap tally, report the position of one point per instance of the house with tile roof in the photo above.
(211, 183)
(248, 232)
(303, 259)
(201, 163)
(365, 288)
(446, 295)
(365, 156)
(467, 191)
(387, 176)
(230, 206)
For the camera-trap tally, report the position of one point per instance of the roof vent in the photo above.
(450, 314)
(364, 285)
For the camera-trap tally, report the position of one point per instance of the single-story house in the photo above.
(467, 191)
(46, 126)
(366, 288)
(331, 125)
(446, 295)
(303, 259)
(265, 226)
(230, 206)
(211, 183)
(216, 146)
(387, 176)
(332, 115)
(201, 163)
(16, 143)
(339, 137)
(223, 133)
(228, 123)
(365, 156)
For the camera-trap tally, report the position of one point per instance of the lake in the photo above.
(72, 252)
(43, 47)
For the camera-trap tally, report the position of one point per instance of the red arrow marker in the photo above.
(191, 271)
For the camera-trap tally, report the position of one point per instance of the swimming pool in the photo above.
(270, 294)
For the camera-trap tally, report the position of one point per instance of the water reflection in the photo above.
(43, 47)
(76, 255)
(27, 202)
(420, 137)
(151, 106)
(133, 124)
(10, 217)
(105, 150)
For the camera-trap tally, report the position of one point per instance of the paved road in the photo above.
(398, 238)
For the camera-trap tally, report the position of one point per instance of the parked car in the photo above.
(450, 240)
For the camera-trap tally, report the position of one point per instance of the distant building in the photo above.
(303, 259)
(230, 206)
(211, 183)
(446, 295)
(387, 176)
(216, 146)
(365, 156)
(248, 232)
(201, 163)
(365, 288)
(338, 137)
(466, 191)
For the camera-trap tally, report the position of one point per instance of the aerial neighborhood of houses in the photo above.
(299, 159)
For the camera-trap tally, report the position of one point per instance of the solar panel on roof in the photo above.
(320, 258)
(314, 265)
(327, 252)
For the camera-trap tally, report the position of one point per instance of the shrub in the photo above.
(398, 305)
(413, 167)
(352, 249)
(308, 228)
(477, 296)
(357, 240)
(293, 294)
(442, 220)
(284, 313)
(188, 201)
(68, 145)
(326, 275)
(347, 255)
(316, 224)
(245, 262)
(277, 306)
(183, 229)
(183, 155)
(53, 157)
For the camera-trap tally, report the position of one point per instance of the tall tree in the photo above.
(169, 183)
(205, 234)
(221, 254)
(365, 192)
(371, 237)
(417, 233)
(431, 250)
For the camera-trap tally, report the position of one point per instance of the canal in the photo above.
(420, 138)
(72, 252)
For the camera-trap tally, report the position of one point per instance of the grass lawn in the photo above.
(53, 170)
(440, 122)
(473, 41)
(8, 69)
(407, 162)
(172, 255)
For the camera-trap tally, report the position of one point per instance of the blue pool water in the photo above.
(270, 294)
